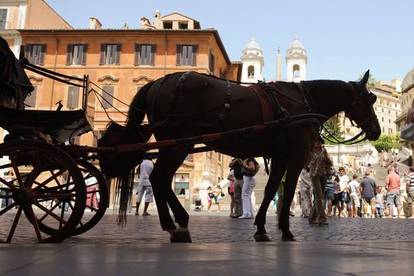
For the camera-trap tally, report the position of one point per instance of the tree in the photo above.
(333, 128)
(387, 142)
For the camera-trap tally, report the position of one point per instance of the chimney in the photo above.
(94, 24)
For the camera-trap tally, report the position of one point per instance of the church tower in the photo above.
(296, 61)
(253, 62)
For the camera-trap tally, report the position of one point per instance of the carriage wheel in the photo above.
(97, 198)
(40, 180)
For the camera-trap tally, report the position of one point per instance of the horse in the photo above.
(187, 104)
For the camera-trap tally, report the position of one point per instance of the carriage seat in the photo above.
(60, 125)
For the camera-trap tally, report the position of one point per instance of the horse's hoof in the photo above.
(180, 236)
(262, 238)
(288, 238)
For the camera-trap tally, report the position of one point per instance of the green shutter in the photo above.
(194, 55)
(102, 58)
(84, 53)
(179, 54)
(118, 53)
(137, 55)
(153, 51)
(69, 54)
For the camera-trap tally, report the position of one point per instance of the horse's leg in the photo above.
(278, 168)
(169, 160)
(297, 159)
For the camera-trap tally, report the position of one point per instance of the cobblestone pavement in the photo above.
(221, 246)
(218, 227)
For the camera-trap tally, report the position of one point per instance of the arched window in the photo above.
(250, 72)
(296, 71)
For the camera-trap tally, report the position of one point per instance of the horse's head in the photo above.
(361, 110)
(114, 164)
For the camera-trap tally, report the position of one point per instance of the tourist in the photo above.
(379, 203)
(249, 170)
(210, 197)
(368, 187)
(230, 191)
(342, 195)
(218, 194)
(392, 184)
(144, 186)
(236, 165)
(305, 185)
(329, 195)
(409, 188)
(320, 165)
(353, 188)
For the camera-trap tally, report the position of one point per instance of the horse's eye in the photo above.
(372, 98)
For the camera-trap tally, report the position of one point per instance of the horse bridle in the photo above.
(369, 98)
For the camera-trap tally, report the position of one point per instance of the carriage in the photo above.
(42, 173)
(55, 183)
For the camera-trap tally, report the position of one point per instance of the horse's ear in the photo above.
(365, 78)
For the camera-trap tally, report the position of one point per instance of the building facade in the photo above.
(27, 14)
(121, 61)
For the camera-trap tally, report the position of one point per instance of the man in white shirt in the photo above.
(343, 184)
(353, 188)
(144, 186)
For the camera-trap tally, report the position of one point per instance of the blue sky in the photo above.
(343, 37)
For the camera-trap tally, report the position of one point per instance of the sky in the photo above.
(343, 38)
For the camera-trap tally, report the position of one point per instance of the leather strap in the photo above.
(265, 103)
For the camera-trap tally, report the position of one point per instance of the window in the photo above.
(144, 54)
(183, 25)
(30, 101)
(110, 54)
(167, 25)
(250, 72)
(76, 54)
(211, 62)
(73, 97)
(107, 96)
(3, 19)
(35, 53)
(186, 55)
(296, 71)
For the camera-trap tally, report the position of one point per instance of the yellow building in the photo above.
(121, 61)
(387, 108)
(27, 14)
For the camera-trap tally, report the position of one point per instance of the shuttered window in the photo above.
(211, 62)
(76, 54)
(30, 101)
(144, 54)
(187, 55)
(107, 96)
(110, 54)
(3, 19)
(35, 53)
(73, 97)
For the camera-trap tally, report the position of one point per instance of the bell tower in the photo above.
(296, 61)
(253, 62)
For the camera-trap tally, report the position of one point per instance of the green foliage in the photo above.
(387, 142)
(333, 125)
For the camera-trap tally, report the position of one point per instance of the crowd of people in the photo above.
(326, 192)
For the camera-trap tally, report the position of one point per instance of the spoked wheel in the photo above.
(97, 197)
(43, 182)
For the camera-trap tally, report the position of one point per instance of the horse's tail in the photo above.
(122, 165)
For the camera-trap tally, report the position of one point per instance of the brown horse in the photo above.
(190, 104)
